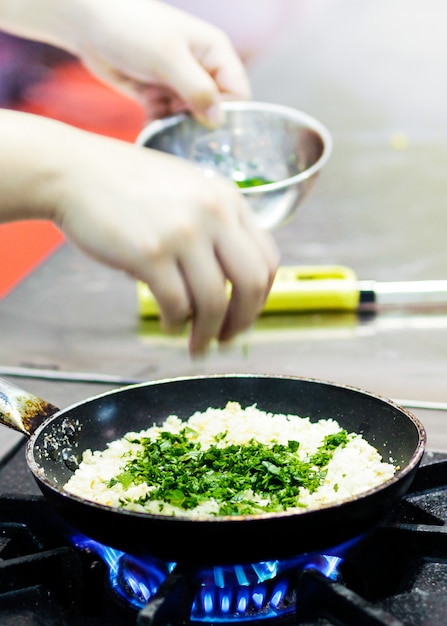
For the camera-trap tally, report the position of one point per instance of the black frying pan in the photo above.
(56, 444)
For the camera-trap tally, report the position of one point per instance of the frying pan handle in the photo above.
(21, 410)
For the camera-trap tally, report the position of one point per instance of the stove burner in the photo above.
(231, 593)
(395, 575)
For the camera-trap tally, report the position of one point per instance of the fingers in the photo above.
(170, 289)
(208, 290)
(195, 87)
(242, 257)
(250, 260)
(202, 75)
(193, 284)
(224, 65)
(221, 63)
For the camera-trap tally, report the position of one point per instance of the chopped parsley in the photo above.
(255, 181)
(241, 479)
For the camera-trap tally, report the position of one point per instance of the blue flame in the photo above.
(136, 580)
(256, 591)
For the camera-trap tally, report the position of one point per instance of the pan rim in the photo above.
(400, 474)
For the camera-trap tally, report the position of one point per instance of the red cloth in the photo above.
(69, 93)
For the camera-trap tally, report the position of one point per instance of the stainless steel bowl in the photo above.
(277, 151)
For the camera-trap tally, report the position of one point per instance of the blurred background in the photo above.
(375, 74)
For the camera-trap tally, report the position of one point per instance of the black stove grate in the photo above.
(396, 575)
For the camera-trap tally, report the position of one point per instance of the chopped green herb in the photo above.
(256, 181)
(181, 472)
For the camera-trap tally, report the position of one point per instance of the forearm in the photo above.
(31, 161)
(55, 22)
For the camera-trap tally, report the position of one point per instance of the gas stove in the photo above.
(395, 575)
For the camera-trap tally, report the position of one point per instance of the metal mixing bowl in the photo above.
(277, 151)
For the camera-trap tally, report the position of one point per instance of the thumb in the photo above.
(197, 89)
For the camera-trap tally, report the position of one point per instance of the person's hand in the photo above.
(152, 215)
(161, 220)
(164, 57)
(160, 55)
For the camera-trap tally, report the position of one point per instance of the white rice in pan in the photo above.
(353, 468)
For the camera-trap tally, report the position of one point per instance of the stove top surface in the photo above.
(396, 575)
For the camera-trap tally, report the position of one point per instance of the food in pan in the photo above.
(231, 461)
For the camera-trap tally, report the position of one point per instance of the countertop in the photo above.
(374, 74)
